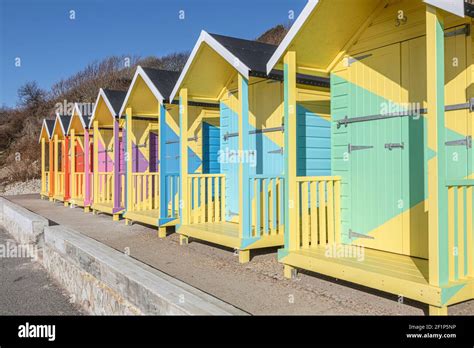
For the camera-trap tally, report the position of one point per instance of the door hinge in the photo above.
(352, 60)
(352, 148)
(467, 142)
(463, 106)
(353, 234)
(466, 30)
(392, 146)
(281, 151)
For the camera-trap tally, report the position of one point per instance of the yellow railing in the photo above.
(78, 189)
(105, 187)
(318, 211)
(460, 229)
(59, 184)
(45, 183)
(267, 210)
(172, 191)
(145, 194)
(206, 201)
(122, 189)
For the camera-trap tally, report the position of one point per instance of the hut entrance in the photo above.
(229, 161)
(378, 151)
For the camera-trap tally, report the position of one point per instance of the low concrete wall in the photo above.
(25, 226)
(105, 281)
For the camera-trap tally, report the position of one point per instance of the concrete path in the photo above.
(26, 288)
(257, 287)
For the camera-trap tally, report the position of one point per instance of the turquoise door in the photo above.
(228, 158)
(376, 152)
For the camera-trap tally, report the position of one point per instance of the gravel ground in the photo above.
(257, 287)
(21, 188)
(27, 289)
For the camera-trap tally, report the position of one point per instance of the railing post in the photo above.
(56, 164)
(66, 168)
(290, 203)
(43, 166)
(96, 161)
(52, 172)
(437, 192)
(116, 168)
(87, 169)
(162, 163)
(129, 159)
(244, 197)
(73, 189)
(183, 139)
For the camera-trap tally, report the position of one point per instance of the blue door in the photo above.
(228, 158)
(210, 147)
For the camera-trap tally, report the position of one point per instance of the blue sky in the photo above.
(51, 46)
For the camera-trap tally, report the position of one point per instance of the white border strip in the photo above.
(107, 102)
(149, 83)
(221, 50)
(290, 36)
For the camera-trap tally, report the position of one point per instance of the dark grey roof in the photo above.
(87, 120)
(65, 120)
(115, 98)
(49, 126)
(253, 54)
(163, 80)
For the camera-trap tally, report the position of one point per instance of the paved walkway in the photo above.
(26, 288)
(257, 287)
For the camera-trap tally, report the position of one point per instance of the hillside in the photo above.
(20, 126)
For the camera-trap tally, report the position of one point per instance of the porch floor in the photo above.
(79, 201)
(149, 217)
(397, 274)
(105, 208)
(227, 234)
(58, 198)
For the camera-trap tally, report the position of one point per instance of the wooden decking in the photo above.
(227, 234)
(104, 207)
(149, 217)
(397, 274)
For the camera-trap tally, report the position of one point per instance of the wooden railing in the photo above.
(45, 182)
(206, 201)
(172, 190)
(267, 210)
(318, 211)
(122, 189)
(145, 193)
(59, 184)
(105, 187)
(78, 189)
(460, 229)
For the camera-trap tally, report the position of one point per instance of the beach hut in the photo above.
(237, 199)
(396, 212)
(46, 159)
(60, 140)
(108, 153)
(152, 130)
(80, 159)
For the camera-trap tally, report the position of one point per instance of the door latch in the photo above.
(461, 142)
(392, 146)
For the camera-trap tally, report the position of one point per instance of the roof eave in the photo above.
(218, 48)
(140, 72)
(290, 36)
